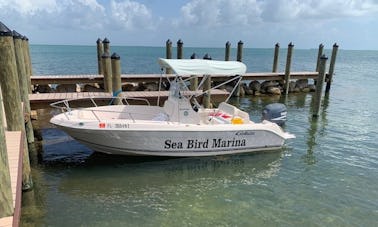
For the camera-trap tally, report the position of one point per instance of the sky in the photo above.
(352, 24)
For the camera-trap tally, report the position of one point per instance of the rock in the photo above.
(306, 89)
(229, 88)
(140, 87)
(129, 87)
(292, 86)
(273, 90)
(255, 85)
(281, 82)
(301, 84)
(312, 87)
(101, 85)
(42, 88)
(165, 86)
(266, 84)
(67, 88)
(257, 93)
(92, 88)
(242, 91)
(151, 86)
(248, 91)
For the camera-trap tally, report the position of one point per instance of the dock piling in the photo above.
(331, 67)
(194, 78)
(11, 96)
(275, 59)
(168, 54)
(288, 66)
(100, 49)
(239, 57)
(27, 62)
(106, 65)
(320, 53)
(6, 201)
(207, 95)
(23, 83)
(319, 85)
(227, 51)
(116, 75)
(106, 45)
(180, 45)
(207, 86)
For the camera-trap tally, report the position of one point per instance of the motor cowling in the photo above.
(275, 112)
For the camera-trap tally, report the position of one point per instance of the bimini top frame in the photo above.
(205, 68)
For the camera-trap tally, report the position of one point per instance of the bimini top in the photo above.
(203, 67)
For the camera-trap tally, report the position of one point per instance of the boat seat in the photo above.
(233, 111)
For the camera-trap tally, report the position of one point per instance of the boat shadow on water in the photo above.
(81, 170)
(130, 173)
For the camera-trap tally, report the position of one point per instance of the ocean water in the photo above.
(327, 176)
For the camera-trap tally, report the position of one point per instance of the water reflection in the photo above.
(311, 142)
(131, 174)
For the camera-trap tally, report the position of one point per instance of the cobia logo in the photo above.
(245, 133)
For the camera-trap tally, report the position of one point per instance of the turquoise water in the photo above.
(327, 176)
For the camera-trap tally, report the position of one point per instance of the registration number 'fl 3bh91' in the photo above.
(113, 125)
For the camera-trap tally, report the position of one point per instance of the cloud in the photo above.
(201, 22)
(53, 14)
(217, 13)
(131, 15)
(27, 7)
(81, 15)
(289, 10)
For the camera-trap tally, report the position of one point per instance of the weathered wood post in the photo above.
(207, 95)
(116, 74)
(6, 200)
(106, 45)
(194, 78)
(168, 54)
(275, 59)
(227, 51)
(319, 86)
(11, 96)
(24, 85)
(331, 67)
(320, 53)
(107, 67)
(207, 87)
(27, 62)
(287, 68)
(239, 57)
(100, 49)
(180, 45)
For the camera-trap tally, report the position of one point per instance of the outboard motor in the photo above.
(275, 112)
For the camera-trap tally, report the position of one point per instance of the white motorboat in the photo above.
(176, 128)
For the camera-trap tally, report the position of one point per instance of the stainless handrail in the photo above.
(66, 105)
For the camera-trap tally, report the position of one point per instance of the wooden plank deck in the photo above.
(47, 98)
(15, 151)
(92, 78)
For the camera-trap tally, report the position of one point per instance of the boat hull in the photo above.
(178, 143)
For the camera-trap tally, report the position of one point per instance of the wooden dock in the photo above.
(93, 78)
(44, 99)
(15, 152)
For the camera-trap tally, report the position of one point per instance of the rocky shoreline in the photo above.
(255, 88)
